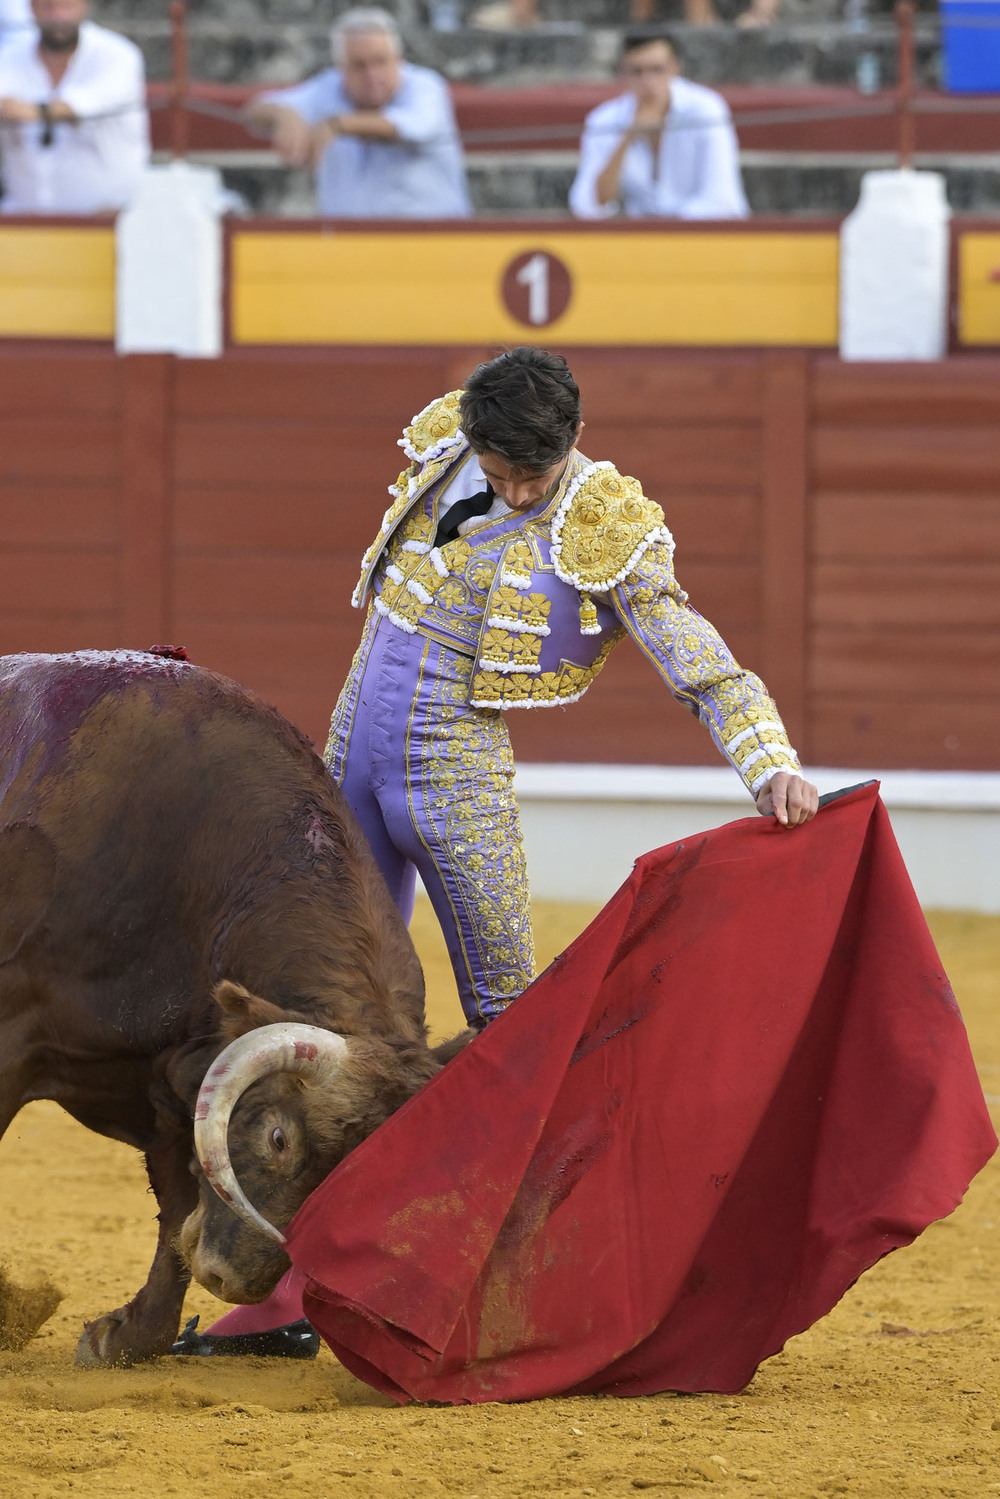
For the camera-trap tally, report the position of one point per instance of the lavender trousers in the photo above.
(431, 780)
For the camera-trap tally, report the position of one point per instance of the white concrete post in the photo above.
(894, 268)
(169, 264)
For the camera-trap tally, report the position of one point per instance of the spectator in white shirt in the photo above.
(380, 132)
(666, 148)
(74, 133)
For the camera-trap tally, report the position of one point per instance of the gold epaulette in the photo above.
(431, 441)
(603, 526)
(433, 430)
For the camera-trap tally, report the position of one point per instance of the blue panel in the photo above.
(970, 32)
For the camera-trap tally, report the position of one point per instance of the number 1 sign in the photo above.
(536, 288)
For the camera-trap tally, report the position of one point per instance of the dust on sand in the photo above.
(896, 1393)
(24, 1309)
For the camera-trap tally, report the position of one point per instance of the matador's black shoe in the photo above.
(294, 1340)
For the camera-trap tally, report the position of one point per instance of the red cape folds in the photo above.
(740, 1087)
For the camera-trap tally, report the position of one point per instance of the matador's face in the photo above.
(523, 489)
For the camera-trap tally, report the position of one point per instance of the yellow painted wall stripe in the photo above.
(57, 282)
(706, 288)
(978, 294)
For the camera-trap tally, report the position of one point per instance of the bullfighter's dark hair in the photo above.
(641, 36)
(524, 406)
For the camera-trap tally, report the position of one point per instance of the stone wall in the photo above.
(280, 41)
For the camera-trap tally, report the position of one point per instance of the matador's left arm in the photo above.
(701, 671)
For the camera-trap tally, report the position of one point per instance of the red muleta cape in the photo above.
(740, 1087)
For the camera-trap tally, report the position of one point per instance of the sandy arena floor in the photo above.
(897, 1393)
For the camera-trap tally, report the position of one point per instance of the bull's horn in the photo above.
(286, 1047)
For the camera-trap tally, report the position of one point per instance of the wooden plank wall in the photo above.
(280, 476)
(904, 577)
(62, 567)
(840, 524)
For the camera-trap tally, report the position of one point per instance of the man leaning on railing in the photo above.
(379, 131)
(74, 132)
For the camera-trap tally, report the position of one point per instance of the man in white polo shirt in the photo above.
(74, 132)
(666, 148)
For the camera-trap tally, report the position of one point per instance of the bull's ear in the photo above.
(178, 1076)
(243, 1011)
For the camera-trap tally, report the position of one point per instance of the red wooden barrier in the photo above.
(840, 523)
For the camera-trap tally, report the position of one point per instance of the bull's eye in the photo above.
(278, 1138)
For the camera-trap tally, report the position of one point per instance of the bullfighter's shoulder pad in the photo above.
(434, 430)
(602, 528)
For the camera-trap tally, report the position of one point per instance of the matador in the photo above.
(505, 571)
(507, 568)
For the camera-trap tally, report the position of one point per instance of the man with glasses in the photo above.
(666, 148)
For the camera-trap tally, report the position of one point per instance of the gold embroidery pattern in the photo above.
(410, 580)
(526, 611)
(602, 529)
(464, 774)
(494, 689)
(519, 562)
(389, 519)
(702, 672)
(482, 603)
(513, 640)
(438, 420)
(432, 441)
(459, 601)
(456, 554)
(480, 575)
(417, 528)
(520, 651)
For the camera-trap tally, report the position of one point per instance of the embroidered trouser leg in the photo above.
(431, 782)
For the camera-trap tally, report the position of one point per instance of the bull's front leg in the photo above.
(147, 1325)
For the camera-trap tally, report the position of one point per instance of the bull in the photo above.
(188, 907)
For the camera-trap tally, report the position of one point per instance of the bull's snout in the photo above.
(207, 1269)
(210, 1267)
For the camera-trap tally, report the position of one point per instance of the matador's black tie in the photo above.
(476, 504)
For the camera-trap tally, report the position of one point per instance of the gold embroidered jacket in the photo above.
(539, 601)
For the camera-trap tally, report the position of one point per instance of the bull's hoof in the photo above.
(107, 1344)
